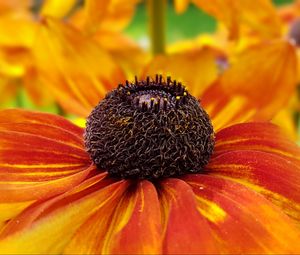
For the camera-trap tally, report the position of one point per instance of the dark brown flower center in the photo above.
(149, 129)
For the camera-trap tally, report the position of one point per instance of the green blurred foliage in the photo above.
(281, 2)
(23, 101)
(186, 25)
(183, 26)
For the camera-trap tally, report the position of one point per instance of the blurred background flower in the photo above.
(63, 56)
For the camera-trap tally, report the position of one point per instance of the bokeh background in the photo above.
(186, 25)
(180, 27)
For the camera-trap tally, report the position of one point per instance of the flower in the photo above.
(17, 30)
(20, 27)
(247, 26)
(241, 16)
(78, 82)
(259, 96)
(54, 199)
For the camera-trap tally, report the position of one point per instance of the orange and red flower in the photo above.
(54, 200)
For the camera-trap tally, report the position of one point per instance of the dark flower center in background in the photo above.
(149, 129)
(294, 32)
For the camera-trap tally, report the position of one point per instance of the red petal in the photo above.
(48, 227)
(187, 231)
(278, 179)
(243, 221)
(260, 81)
(132, 227)
(22, 116)
(142, 233)
(41, 155)
(265, 137)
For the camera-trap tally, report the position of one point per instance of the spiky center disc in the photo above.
(149, 129)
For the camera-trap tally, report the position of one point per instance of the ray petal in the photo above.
(259, 16)
(181, 5)
(181, 66)
(56, 8)
(242, 220)
(258, 136)
(186, 230)
(101, 16)
(142, 233)
(132, 228)
(74, 67)
(269, 75)
(273, 176)
(47, 227)
(41, 155)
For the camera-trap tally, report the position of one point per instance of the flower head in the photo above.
(149, 129)
(21, 23)
(55, 200)
(149, 174)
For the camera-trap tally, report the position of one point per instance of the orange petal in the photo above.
(142, 233)
(17, 69)
(17, 31)
(285, 118)
(195, 68)
(118, 15)
(289, 13)
(74, 67)
(13, 5)
(48, 227)
(264, 137)
(110, 15)
(7, 91)
(130, 56)
(187, 231)
(57, 8)
(255, 87)
(242, 221)
(42, 208)
(94, 12)
(133, 227)
(41, 155)
(11, 210)
(181, 5)
(35, 89)
(277, 178)
(260, 16)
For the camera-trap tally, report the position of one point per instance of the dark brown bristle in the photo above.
(160, 79)
(168, 80)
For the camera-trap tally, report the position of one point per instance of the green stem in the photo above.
(19, 98)
(157, 25)
(60, 110)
